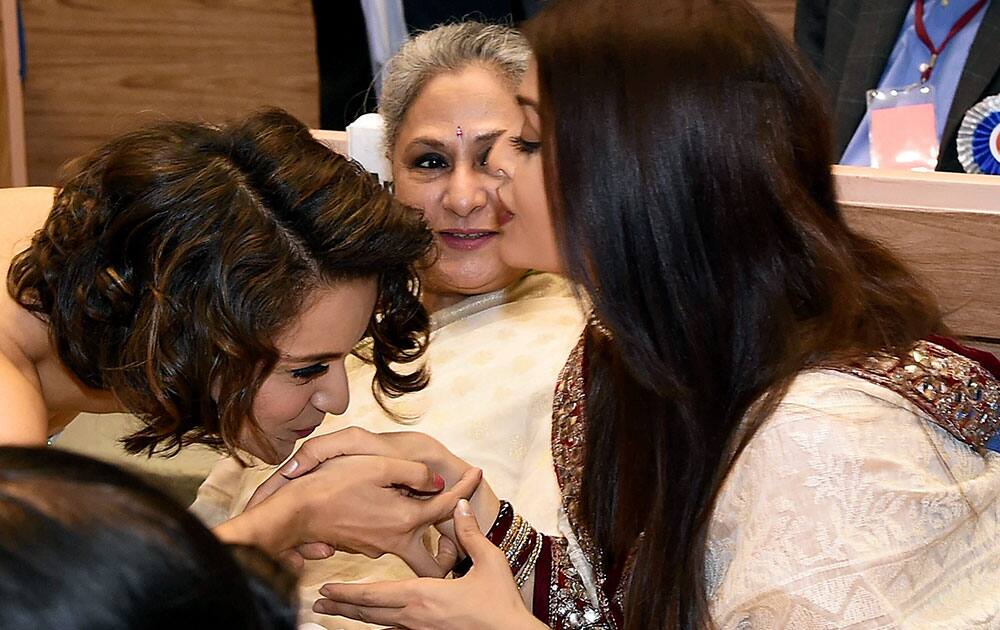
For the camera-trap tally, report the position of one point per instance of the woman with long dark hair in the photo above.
(760, 426)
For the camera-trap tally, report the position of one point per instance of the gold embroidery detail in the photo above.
(958, 393)
(568, 440)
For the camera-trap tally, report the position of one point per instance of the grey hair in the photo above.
(447, 48)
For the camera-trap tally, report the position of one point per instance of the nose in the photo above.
(466, 191)
(331, 394)
(501, 160)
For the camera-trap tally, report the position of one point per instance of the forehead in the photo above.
(529, 84)
(475, 97)
(332, 319)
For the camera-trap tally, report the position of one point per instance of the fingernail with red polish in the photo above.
(438, 481)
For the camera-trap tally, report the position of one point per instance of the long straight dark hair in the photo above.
(687, 155)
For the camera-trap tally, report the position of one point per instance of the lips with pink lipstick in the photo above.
(466, 239)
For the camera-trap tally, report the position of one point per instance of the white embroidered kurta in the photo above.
(849, 509)
(494, 362)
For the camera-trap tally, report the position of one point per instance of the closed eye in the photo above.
(525, 146)
(310, 372)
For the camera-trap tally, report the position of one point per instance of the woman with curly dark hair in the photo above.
(211, 281)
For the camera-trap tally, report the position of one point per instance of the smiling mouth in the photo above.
(466, 239)
(467, 235)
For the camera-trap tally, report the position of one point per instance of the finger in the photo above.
(292, 559)
(266, 489)
(440, 508)
(367, 614)
(372, 595)
(420, 559)
(471, 537)
(349, 441)
(447, 554)
(315, 550)
(411, 475)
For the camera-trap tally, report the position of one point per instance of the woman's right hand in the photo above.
(360, 503)
(407, 445)
(485, 598)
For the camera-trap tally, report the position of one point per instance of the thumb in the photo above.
(470, 537)
(266, 489)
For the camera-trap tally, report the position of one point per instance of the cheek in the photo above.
(528, 188)
(529, 241)
(423, 195)
(276, 405)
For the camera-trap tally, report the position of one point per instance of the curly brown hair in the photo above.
(174, 255)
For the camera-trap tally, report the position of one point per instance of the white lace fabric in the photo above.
(849, 509)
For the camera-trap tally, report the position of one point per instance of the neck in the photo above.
(66, 397)
(434, 301)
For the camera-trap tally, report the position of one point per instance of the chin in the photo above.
(475, 283)
(271, 453)
(520, 258)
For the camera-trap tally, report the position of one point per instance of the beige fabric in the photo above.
(849, 509)
(494, 363)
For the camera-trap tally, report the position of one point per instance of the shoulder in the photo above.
(846, 489)
(23, 419)
(23, 211)
(839, 419)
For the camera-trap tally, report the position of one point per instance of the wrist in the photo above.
(448, 466)
(486, 506)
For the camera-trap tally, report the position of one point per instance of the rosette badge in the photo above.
(979, 138)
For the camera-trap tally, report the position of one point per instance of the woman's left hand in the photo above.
(485, 598)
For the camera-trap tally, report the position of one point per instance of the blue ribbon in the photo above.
(982, 153)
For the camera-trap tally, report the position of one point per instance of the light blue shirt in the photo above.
(903, 66)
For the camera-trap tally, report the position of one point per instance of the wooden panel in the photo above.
(987, 346)
(946, 226)
(781, 12)
(13, 170)
(5, 152)
(97, 68)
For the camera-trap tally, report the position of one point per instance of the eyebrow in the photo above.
(312, 358)
(437, 144)
(524, 101)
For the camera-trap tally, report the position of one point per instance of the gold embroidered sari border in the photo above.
(957, 393)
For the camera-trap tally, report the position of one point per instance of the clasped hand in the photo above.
(370, 504)
(487, 597)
